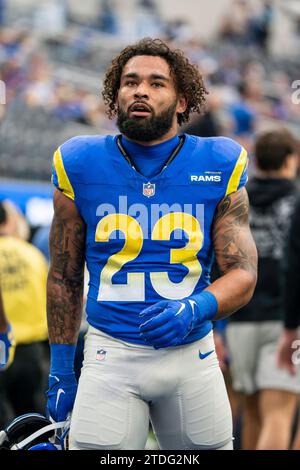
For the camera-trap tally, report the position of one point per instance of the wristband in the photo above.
(207, 306)
(62, 358)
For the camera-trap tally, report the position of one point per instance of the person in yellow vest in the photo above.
(23, 274)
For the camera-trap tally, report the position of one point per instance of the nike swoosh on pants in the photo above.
(203, 356)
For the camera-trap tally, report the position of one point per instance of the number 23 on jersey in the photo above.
(134, 288)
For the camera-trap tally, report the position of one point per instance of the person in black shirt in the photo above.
(287, 355)
(269, 394)
(288, 352)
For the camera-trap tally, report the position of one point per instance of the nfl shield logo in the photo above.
(148, 189)
(101, 355)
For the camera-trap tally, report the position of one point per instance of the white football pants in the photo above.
(124, 385)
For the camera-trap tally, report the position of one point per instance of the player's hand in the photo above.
(285, 351)
(167, 322)
(61, 396)
(7, 348)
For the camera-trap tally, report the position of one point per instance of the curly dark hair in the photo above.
(187, 78)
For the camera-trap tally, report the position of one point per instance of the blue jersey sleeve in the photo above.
(60, 177)
(231, 160)
(73, 164)
(69, 165)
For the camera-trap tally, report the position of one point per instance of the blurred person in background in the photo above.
(243, 113)
(7, 342)
(40, 89)
(108, 20)
(288, 356)
(260, 25)
(15, 223)
(206, 125)
(292, 283)
(235, 25)
(248, 24)
(268, 394)
(23, 273)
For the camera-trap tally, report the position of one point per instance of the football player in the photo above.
(146, 209)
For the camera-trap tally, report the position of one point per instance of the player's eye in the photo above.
(130, 83)
(157, 85)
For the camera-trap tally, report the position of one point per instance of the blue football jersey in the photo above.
(146, 240)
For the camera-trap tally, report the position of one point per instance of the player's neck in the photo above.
(172, 133)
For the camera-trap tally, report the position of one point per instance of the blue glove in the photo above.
(61, 396)
(7, 348)
(168, 322)
(62, 382)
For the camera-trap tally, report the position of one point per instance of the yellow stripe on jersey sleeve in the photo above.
(239, 168)
(63, 180)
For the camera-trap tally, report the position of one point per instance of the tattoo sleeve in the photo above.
(65, 278)
(233, 242)
(235, 253)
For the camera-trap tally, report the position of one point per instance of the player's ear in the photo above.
(181, 104)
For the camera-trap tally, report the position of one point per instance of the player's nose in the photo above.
(141, 91)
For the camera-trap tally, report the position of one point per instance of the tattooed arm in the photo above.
(65, 279)
(168, 322)
(236, 254)
(64, 303)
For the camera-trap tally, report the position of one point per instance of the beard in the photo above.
(146, 129)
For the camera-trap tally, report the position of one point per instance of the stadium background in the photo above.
(53, 54)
